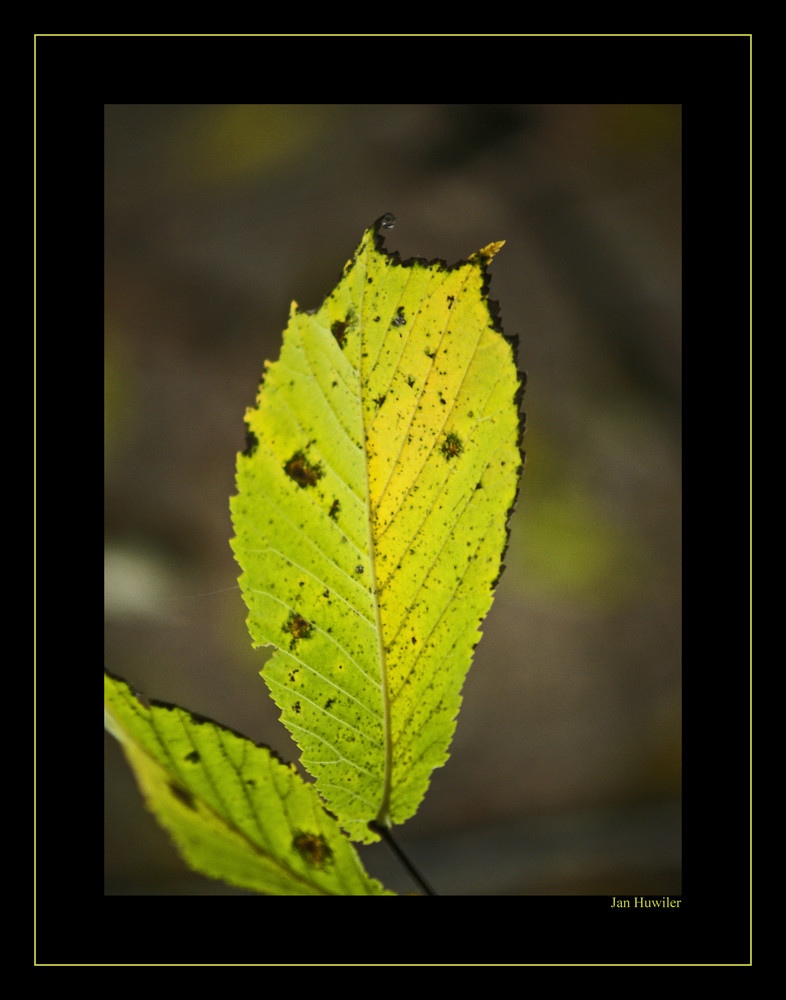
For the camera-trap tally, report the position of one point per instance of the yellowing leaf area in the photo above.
(371, 518)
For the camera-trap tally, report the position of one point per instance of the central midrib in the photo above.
(382, 814)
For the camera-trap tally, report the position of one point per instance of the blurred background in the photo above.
(564, 775)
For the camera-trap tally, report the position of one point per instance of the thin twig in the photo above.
(387, 836)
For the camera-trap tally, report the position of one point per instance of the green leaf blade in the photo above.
(371, 518)
(233, 809)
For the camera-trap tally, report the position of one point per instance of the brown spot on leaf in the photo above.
(452, 446)
(298, 628)
(339, 331)
(251, 443)
(313, 849)
(302, 471)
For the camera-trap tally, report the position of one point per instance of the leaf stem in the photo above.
(387, 836)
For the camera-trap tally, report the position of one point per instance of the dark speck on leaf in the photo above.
(182, 795)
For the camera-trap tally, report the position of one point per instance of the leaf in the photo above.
(371, 516)
(234, 810)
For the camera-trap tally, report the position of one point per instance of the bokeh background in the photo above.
(564, 775)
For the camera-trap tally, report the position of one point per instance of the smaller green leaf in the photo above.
(234, 810)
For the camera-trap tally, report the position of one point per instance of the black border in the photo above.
(710, 75)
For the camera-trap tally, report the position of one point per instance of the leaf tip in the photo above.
(486, 254)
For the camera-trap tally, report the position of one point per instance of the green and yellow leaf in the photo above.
(233, 809)
(371, 517)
